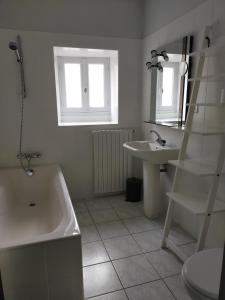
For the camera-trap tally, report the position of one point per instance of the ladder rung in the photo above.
(207, 131)
(181, 255)
(198, 168)
(217, 48)
(207, 78)
(195, 202)
(210, 104)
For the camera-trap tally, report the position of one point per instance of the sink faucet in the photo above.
(159, 139)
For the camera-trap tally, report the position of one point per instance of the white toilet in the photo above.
(201, 274)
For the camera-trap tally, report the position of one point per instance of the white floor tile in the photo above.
(89, 234)
(156, 290)
(100, 279)
(106, 215)
(98, 204)
(119, 295)
(110, 230)
(118, 201)
(138, 272)
(149, 240)
(176, 285)
(79, 206)
(160, 221)
(129, 211)
(140, 224)
(122, 247)
(84, 219)
(165, 263)
(135, 270)
(94, 253)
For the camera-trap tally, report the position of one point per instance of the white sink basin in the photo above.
(152, 154)
(151, 151)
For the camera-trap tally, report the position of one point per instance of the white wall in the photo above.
(71, 147)
(160, 13)
(115, 18)
(191, 23)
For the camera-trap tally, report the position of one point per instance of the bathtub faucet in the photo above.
(28, 156)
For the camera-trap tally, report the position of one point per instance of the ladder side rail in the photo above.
(182, 153)
(169, 214)
(212, 197)
(191, 111)
(194, 97)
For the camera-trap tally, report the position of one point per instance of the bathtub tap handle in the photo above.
(35, 155)
(28, 156)
(21, 155)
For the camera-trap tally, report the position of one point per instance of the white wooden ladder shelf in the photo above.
(198, 203)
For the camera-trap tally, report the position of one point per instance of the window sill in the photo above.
(86, 123)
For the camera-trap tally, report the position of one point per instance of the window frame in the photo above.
(168, 112)
(85, 109)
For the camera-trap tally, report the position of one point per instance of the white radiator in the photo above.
(112, 164)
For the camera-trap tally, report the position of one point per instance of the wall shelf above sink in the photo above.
(174, 125)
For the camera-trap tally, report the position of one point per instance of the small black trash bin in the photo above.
(133, 189)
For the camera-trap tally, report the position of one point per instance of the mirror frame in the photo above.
(187, 48)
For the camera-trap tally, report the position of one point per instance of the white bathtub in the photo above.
(40, 241)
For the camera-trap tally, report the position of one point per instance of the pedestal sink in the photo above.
(153, 155)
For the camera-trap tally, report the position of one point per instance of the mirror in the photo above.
(170, 68)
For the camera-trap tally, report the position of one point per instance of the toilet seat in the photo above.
(202, 272)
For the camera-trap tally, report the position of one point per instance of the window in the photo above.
(86, 86)
(167, 87)
(168, 83)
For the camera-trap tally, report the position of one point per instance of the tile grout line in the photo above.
(130, 233)
(122, 221)
(139, 254)
(119, 219)
(155, 280)
(111, 261)
(171, 291)
(142, 253)
(112, 264)
(111, 207)
(89, 298)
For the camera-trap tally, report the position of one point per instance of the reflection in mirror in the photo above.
(170, 87)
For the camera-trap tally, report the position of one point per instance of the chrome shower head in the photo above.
(13, 46)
